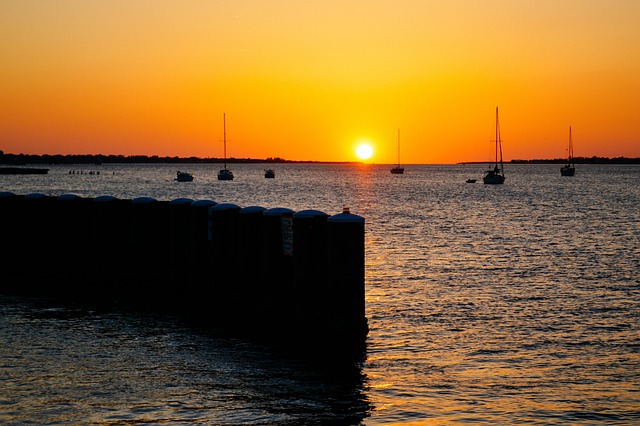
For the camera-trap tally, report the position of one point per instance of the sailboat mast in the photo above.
(570, 146)
(496, 153)
(498, 144)
(398, 147)
(224, 132)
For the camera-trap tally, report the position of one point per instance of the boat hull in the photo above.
(567, 171)
(493, 179)
(184, 177)
(225, 175)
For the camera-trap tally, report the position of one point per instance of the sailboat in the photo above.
(496, 175)
(397, 170)
(225, 174)
(569, 169)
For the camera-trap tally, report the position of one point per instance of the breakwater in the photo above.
(269, 271)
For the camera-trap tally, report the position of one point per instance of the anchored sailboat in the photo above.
(225, 174)
(569, 169)
(496, 175)
(397, 170)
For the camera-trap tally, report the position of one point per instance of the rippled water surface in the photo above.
(508, 304)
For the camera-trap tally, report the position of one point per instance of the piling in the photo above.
(253, 289)
(346, 267)
(310, 287)
(149, 239)
(200, 236)
(36, 261)
(224, 279)
(179, 232)
(11, 231)
(111, 234)
(277, 262)
(73, 245)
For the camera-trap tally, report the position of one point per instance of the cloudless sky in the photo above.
(310, 79)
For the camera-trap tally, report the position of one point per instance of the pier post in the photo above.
(38, 227)
(111, 234)
(11, 224)
(310, 265)
(277, 260)
(250, 222)
(224, 274)
(73, 245)
(200, 236)
(149, 250)
(179, 230)
(346, 272)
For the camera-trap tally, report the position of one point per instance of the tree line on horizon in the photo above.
(24, 159)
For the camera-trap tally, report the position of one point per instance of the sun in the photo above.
(364, 151)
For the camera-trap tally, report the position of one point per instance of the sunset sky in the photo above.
(311, 79)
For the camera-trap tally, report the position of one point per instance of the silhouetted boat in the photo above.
(184, 177)
(471, 181)
(225, 174)
(269, 173)
(22, 171)
(569, 169)
(496, 175)
(397, 170)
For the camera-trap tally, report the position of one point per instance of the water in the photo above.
(509, 304)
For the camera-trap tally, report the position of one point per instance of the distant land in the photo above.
(27, 159)
(576, 160)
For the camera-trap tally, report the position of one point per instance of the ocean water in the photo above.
(507, 304)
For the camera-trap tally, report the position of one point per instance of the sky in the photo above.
(313, 79)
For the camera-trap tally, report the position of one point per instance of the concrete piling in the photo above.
(200, 246)
(112, 248)
(346, 268)
(277, 260)
(310, 289)
(223, 273)
(250, 221)
(73, 226)
(149, 239)
(11, 220)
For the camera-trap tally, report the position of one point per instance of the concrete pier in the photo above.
(265, 271)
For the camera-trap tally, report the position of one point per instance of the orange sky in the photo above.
(306, 80)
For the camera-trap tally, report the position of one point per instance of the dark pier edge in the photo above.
(292, 279)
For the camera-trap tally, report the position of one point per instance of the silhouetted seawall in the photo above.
(270, 272)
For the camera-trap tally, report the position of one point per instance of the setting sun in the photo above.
(364, 151)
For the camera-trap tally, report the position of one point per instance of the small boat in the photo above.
(397, 170)
(184, 177)
(23, 171)
(269, 173)
(496, 175)
(471, 181)
(225, 174)
(569, 169)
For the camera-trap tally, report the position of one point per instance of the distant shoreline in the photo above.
(27, 159)
(576, 160)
